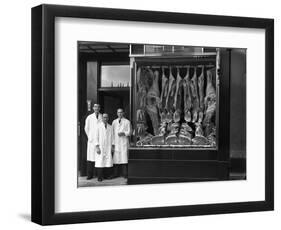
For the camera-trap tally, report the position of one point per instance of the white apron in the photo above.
(104, 138)
(120, 155)
(91, 125)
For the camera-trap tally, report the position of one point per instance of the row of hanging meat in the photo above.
(180, 102)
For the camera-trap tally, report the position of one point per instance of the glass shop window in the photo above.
(115, 76)
(175, 105)
(114, 90)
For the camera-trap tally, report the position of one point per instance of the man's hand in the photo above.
(98, 150)
(121, 134)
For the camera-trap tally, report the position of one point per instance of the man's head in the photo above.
(105, 118)
(120, 113)
(96, 108)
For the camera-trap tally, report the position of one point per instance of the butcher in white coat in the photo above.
(91, 125)
(104, 145)
(121, 131)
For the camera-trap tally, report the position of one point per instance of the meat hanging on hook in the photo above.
(195, 97)
(201, 94)
(141, 90)
(178, 97)
(141, 102)
(180, 108)
(170, 97)
(187, 98)
(152, 101)
(163, 97)
(210, 99)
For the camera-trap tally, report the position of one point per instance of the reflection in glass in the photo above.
(115, 76)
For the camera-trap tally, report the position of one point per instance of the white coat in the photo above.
(120, 155)
(104, 139)
(91, 125)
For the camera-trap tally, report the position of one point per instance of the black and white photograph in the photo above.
(156, 113)
(141, 114)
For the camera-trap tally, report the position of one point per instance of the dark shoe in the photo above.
(89, 177)
(111, 177)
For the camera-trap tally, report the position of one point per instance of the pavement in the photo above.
(83, 182)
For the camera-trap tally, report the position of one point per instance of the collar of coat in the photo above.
(107, 125)
(123, 118)
(99, 115)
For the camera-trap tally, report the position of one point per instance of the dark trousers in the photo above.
(121, 170)
(83, 155)
(104, 173)
(91, 172)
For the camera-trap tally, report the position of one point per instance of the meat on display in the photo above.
(178, 98)
(170, 97)
(201, 95)
(181, 112)
(152, 101)
(195, 97)
(187, 97)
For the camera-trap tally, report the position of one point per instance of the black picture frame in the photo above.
(43, 114)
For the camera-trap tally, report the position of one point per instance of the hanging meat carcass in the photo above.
(187, 97)
(170, 97)
(163, 97)
(140, 116)
(210, 99)
(210, 133)
(178, 98)
(152, 101)
(154, 89)
(164, 90)
(142, 88)
(140, 130)
(195, 97)
(201, 95)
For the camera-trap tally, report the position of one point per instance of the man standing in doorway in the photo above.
(104, 146)
(91, 125)
(121, 131)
